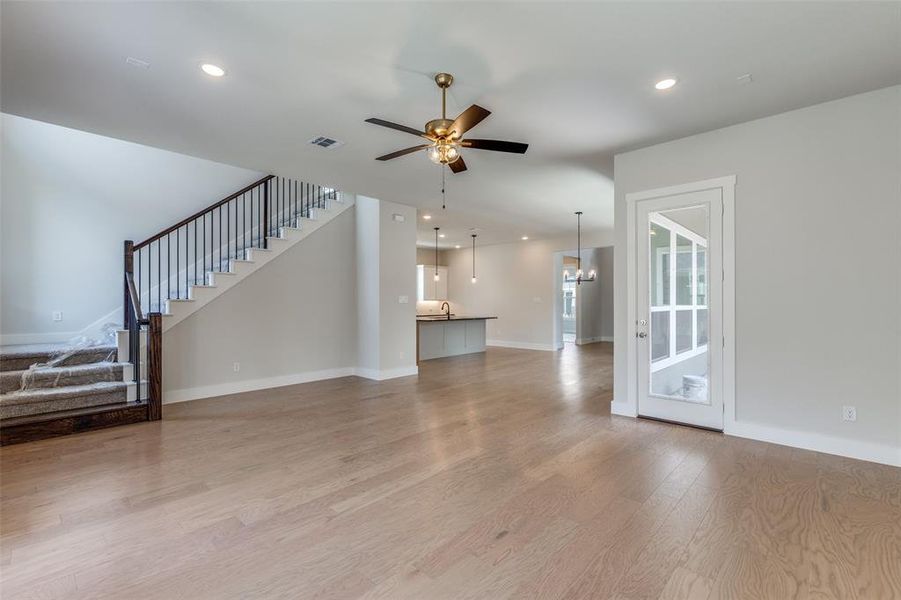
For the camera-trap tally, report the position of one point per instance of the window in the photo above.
(678, 293)
(569, 300)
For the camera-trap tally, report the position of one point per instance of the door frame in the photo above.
(727, 186)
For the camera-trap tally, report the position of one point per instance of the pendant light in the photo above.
(580, 277)
(474, 258)
(437, 278)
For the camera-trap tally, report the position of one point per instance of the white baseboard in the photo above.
(861, 450)
(250, 385)
(264, 383)
(384, 374)
(522, 345)
(622, 409)
(818, 442)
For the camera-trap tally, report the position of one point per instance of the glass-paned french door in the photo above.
(678, 307)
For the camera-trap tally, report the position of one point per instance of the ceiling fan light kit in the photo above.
(446, 135)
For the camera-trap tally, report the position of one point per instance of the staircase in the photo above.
(167, 277)
(53, 388)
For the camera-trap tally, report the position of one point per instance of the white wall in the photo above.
(397, 278)
(68, 200)
(519, 284)
(293, 320)
(386, 255)
(368, 299)
(818, 215)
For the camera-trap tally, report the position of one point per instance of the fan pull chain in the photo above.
(443, 203)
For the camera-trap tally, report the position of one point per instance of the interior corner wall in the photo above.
(518, 283)
(292, 321)
(817, 275)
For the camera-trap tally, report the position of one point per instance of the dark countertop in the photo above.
(439, 318)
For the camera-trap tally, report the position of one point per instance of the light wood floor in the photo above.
(492, 476)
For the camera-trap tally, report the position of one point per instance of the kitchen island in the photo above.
(438, 336)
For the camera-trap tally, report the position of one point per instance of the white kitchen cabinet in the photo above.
(426, 286)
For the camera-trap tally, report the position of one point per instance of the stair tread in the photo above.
(56, 393)
(39, 350)
(11, 381)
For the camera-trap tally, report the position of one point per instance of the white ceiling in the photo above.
(573, 80)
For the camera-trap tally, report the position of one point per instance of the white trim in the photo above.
(818, 442)
(522, 345)
(623, 409)
(629, 407)
(250, 385)
(381, 375)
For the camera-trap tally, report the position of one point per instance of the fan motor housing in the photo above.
(438, 128)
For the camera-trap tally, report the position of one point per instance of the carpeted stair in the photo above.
(84, 378)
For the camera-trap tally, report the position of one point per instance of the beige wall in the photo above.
(817, 276)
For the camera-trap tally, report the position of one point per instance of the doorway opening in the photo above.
(569, 290)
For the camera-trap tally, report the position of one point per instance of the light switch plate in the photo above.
(399, 218)
(57, 315)
(403, 299)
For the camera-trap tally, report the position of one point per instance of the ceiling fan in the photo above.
(446, 136)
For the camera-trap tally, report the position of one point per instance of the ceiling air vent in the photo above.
(326, 142)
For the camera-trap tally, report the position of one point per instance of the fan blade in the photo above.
(403, 152)
(458, 165)
(468, 119)
(398, 127)
(496, 145)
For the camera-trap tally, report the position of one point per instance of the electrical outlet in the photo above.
(403, 299)
(849, 413)
(236, 367)
(403, 355)
(57, 315)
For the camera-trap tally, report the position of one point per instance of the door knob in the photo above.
(641, 334)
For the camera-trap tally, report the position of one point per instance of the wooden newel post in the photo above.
(129, 267)
(155, 367)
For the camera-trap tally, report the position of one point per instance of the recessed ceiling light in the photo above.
(426, 217)
(212, 70)
(441, 235)
(457, 246)
(665, 84)
(524, 238)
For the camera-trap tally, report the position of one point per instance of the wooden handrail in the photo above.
(200, 213)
